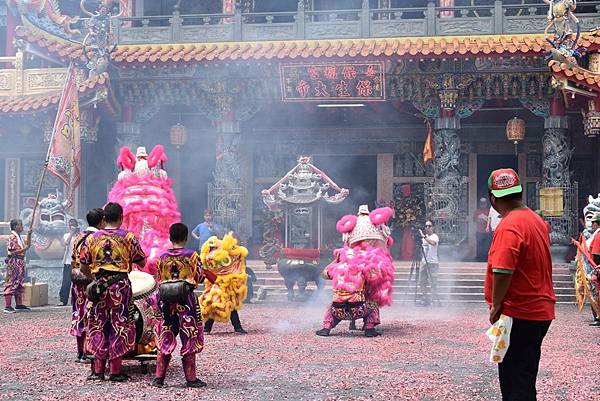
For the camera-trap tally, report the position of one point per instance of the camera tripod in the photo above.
(415, 268)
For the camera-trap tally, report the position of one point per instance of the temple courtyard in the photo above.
(425, 354)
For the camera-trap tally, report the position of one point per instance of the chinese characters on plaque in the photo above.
(332, 81)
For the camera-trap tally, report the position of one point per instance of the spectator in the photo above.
(207, 229)
(69, 241)
(518, 284)
(480, 218)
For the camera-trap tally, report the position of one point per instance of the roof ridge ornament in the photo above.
(304, 184)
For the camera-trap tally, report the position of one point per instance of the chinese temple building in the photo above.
(238, 90)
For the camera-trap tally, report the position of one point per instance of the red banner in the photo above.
(65, 145)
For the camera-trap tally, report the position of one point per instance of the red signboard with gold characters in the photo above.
(320, 82)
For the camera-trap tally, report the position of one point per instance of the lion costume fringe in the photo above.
(227, 260)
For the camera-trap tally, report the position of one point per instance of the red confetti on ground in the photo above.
(424, 354)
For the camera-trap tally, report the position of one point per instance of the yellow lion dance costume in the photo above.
(228, 261)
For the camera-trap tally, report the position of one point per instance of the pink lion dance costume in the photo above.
(149, 205)
(362, 273)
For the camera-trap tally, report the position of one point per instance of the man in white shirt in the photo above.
(430, 263)
(69, 238)
(494, 219)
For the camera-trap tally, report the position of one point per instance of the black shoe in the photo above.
(195, 384)
(9, 309)
(158, 382)
(371, 333)
(240, 330)
(119, 378)
(323, 332)
(595, 323)
(206, 330)
(22, 307)
(96, 377)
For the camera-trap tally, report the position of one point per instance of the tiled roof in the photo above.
(426, 46)
(25, 104)
(301, 49)
(576, 73)
(52, 44)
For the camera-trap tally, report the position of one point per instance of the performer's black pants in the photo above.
(65, 288)
(518, 371)
(483, 245)
(235, 322)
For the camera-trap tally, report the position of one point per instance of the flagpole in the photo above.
(47, 160)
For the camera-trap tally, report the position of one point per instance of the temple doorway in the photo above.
(486, 164)
(356, 173)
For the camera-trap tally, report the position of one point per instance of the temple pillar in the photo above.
(556, 173)
(11, 24)
(385, 178)
(556, 152)
(227, 194)
(448, 195)
(447, 148)
(12, 188)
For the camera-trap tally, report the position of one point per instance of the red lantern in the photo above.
(515, 131)
(178, 135)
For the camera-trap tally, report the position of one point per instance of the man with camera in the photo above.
(430, 263)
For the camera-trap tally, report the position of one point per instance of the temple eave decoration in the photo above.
(96, 89)
(575, 74)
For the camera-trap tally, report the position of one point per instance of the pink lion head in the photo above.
(381, 215)
(346, 224)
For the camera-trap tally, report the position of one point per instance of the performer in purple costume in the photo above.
(15, 267)
(95, 219)
(108, 254)
(179, 266)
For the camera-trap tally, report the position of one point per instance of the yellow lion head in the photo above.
(223, 256)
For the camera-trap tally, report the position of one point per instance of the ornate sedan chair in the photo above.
(300, 195)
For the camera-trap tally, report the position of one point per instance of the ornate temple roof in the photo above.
(62, 48)
(302, 49)
(29, 103)
(576, 74)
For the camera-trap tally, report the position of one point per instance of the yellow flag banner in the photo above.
(65, 146)
(428, 147)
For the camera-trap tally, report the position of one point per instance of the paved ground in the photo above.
(424, 354)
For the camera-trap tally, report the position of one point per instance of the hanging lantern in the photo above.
(515, 131)
(591, 119)
(178, 135)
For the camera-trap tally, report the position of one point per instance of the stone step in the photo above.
(275, 294)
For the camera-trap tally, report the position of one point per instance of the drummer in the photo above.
(95, 219)
(179, 272)
(107, 256)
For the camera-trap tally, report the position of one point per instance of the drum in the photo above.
(143, 285)
(144, 317)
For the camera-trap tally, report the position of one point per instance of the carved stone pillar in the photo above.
(556, 152)
(448, 195)
(447, 148)
(227, 194)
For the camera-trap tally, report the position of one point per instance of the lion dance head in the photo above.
(227, 260)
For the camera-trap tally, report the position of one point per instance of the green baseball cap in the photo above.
(503, 182)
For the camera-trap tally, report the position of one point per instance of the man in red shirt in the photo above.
(518, 284)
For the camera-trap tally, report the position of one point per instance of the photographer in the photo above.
(430, 261)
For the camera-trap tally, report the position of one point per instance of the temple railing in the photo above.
(497, 18)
